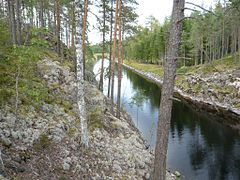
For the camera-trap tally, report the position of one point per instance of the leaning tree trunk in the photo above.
(80, 75)
(119, 59)
(167, 90)
(114, 55)
(103, 48)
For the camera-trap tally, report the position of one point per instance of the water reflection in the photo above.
(199, 147)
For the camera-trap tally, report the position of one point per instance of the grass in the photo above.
(43, 142)
(156, 69)
(94, 119)
(227, 63)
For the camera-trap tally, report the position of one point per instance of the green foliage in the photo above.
(43, 142)
(39, 42)
(94, 119)
(5, 47)
(36, 39)
(206, 37)
(97, 48)
(149, 43)
(62, 178)
(22, 60)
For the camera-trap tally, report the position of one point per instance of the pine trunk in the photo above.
(110, 50)
(18, 22)
(167, 90)
(12, 21)
(41, 14)
(103, 48)
(119, 59)
(114, 55)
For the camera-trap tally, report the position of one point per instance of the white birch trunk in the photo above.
(80, 78)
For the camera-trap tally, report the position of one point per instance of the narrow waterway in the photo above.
(198, 147)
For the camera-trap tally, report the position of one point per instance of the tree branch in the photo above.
(199, 7)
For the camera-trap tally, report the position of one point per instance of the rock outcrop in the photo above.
(43, 141)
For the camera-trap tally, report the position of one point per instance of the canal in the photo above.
(198, 146)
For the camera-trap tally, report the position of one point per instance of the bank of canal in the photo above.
(199, 146)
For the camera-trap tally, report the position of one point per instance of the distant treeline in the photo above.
(207, 36)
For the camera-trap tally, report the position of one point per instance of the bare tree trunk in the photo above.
(210, 49)
(62, 46)
(84, 34)
(119, 59)
(238, 41)
(114, 55)
(41, 14)
(12, 21)
(66, 33)
(103, 48)
(58, 26)
(49, 18)
(32, 16)
(110, 50)
(167, 90)
(9, 14)
(80, 75)
(18, 22)
(201, 50)
(184, 55)
(16, 89)
(73, 35)
(223, 38)
(73, 27)
(227, 46)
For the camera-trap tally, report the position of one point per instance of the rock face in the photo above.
(44, 142)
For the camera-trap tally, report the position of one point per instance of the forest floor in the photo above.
(214, 87)
(40, 138)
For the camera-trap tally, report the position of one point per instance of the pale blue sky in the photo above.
(157, 8)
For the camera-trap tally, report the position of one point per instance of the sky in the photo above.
(157, 8)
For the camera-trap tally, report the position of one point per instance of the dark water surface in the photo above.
(198, 147)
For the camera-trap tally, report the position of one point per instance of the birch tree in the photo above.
(167, 90)
(84, 34)
(80, 74)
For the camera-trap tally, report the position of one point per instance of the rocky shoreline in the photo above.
(43, 142)
(222, 112)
